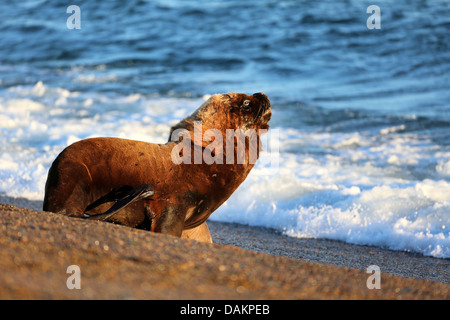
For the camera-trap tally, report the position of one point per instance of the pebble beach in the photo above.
(118, 262)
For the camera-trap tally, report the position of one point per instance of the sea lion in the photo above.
(144, 185)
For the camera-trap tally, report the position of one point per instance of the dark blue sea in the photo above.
(361, 116)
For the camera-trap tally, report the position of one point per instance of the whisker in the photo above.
(258, 113)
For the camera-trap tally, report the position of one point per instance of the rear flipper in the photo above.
(124, 196)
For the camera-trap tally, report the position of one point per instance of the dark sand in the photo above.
(118, 262)
(404, 264)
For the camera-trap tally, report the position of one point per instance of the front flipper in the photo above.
(123, 198)
(200, 233)
(113, 195)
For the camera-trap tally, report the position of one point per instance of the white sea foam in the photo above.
(409, 216)
(383, 187)
(357, 194)
(35, 128)
(443, 167)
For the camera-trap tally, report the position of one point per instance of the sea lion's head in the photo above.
(230, 111)
(247, 112)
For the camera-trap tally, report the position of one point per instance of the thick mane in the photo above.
(204, 114)
(186, 124)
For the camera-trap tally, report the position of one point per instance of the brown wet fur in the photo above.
(185, 195)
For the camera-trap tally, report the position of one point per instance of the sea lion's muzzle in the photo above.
(264, 111)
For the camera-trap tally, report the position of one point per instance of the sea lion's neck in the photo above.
(204, 169)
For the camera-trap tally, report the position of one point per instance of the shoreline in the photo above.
(399, 263)
(324, 251)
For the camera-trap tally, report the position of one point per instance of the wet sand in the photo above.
(404, 264)
(118, 262)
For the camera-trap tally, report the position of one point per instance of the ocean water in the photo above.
(361, 116)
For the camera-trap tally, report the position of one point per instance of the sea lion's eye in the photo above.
(245, 104)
